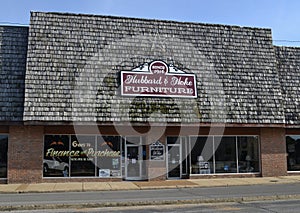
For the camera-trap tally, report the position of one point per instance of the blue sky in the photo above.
(282, 16)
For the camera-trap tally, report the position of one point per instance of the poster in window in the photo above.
(157, 151)
(56, 156)
(109, 155)
(104, 172)
(83, 164)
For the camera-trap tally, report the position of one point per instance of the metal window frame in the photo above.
(214, 150)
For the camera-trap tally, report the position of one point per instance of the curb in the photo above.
(137, 187)
(148, 203)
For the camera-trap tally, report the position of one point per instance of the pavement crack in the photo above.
(257, 206)
(22, 187)
(110, 186)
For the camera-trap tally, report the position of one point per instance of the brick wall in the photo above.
(273, 152)
(25, 149)
(156, 170)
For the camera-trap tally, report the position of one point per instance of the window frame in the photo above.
(290, 171)
(95, 161)
(6, 176)
(237, 154)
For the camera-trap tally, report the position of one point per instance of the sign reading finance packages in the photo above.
(158, 80)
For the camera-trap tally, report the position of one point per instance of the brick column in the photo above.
(156, 169)
(273, 152)
(25, 149)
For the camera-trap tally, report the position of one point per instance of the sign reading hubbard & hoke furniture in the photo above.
(158, 80)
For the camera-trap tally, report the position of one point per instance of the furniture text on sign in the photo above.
(158, 80)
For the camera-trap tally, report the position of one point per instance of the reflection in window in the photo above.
(81, 156)
(173, 140)
(3, 156)
(83, 163)
(248, 154)
(226, 154)
(293, 152)
(56, 157)
(202, 155)
(109, 161)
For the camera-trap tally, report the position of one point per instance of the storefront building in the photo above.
(98, 98)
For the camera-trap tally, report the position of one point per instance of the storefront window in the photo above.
(56, 156)
(248, 154)
(226, 154)
(83, 163)
(82, 156)
(201, 155)
(293, 152)
(109, 162)
(3, 156)
(173, 140)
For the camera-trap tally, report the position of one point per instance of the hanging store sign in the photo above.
(157, 151)
(158, 80)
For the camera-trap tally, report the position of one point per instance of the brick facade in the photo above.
(273, 152)
(25, 150)
(50, 80)
(25, 153)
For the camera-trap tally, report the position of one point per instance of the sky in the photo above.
(282, 16)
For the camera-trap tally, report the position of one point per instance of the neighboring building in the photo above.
(99, 98)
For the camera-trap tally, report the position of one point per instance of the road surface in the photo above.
(33, 201)
(283, 206)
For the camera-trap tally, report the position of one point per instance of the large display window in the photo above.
(56, 156)
(225, 155)
(228, 154)
(109, 161)
(3, 155)
(82, 156)
(201, 155)
(248, 154)
(83, 164)
(293, 152)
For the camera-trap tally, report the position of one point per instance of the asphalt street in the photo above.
(282, 206)
(147, 197)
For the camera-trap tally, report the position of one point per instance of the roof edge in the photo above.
(148, 19)
(67, 123)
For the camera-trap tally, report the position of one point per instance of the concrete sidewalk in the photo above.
(127, 185)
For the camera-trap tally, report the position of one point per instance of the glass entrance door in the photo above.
(174, 161)
(133, 161)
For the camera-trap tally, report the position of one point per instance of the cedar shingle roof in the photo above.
(74, 62)
(288, 63)
(13, 50)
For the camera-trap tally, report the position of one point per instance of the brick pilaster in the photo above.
(25, 149)
(273, 152)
